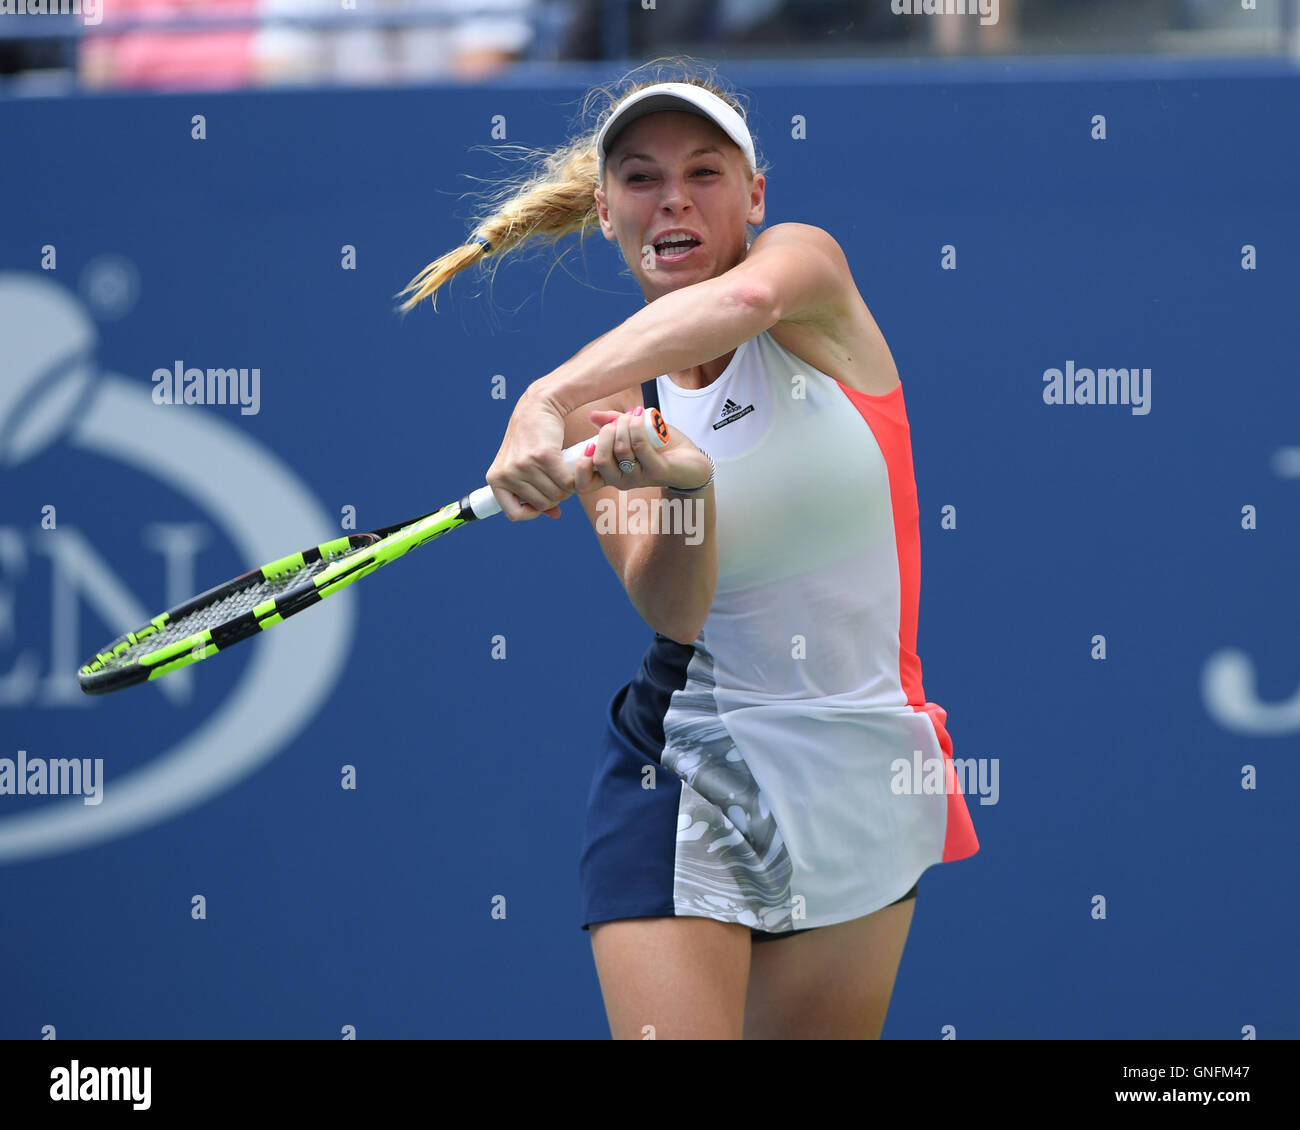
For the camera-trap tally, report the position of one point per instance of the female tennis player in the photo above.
(746, 791)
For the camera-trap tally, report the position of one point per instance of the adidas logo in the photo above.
(731, 412)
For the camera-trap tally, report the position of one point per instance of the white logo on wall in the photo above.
(1229, 687)
(51, 389)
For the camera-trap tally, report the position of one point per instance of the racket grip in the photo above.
(482, 503)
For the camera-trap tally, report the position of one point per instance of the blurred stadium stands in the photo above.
(54, 46)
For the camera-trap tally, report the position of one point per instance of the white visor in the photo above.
(674, 96)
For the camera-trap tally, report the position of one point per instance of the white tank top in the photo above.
(804, 687)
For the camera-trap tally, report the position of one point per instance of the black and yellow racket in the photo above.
(262, 598)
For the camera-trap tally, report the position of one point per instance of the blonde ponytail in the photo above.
(559, 197)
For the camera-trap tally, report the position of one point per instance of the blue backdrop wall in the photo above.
(1158, 777)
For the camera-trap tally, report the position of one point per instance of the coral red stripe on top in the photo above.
(886, 416)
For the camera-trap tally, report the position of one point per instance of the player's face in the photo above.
(677, 196)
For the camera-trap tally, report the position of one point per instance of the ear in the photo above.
(602, 210)
(757, 200)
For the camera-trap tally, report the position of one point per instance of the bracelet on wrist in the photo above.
(713, 470)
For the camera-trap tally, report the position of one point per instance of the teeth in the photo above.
(668, 243)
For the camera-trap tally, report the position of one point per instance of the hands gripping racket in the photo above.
(262, 598)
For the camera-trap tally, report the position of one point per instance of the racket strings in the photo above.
(225, 609)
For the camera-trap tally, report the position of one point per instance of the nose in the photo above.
(675, 196)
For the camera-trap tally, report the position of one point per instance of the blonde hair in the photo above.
(557, 195)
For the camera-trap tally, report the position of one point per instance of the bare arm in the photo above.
(669, 576)
(793, 273)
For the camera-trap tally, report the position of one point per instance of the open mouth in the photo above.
(675, 247)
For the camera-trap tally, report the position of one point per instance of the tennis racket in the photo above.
(262, 598)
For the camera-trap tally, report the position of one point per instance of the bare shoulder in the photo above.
(807, 235)
(842, 339)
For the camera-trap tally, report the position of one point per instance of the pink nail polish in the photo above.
(591, 449)
(639, 409)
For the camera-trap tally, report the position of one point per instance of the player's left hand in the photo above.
(623, 438)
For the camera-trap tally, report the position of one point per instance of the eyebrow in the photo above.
(689, 157)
